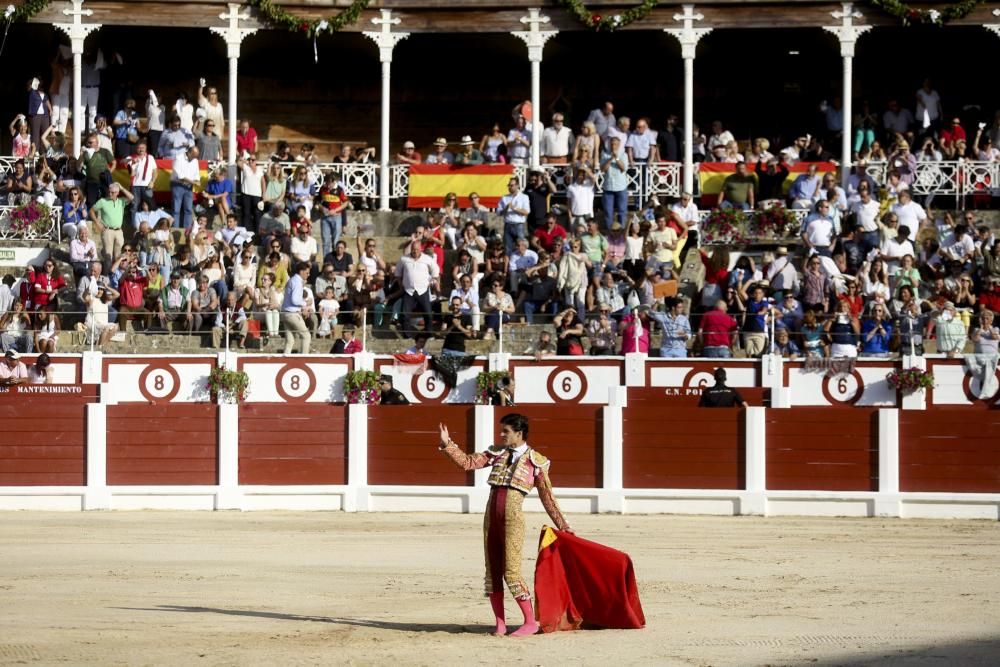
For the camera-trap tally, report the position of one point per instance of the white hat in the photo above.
(466, 140)
(440, 141)
(12, 354)
(408, 144)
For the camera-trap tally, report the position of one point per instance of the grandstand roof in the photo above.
(492, 15)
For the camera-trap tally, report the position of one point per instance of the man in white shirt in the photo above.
(685, 211)
(156, 115)
(557, 142)
(183, 178)
(522, 258)
(581, 196)
(142, 166)
(519, 143)
(417, 271)
(910, 213)
(303, 247)
(252, 187)
(514, 207)
(866, 211)
(858, 176)
(781, 274)
(720, 137)
(620, 132)
(641, 144)
(817, 229)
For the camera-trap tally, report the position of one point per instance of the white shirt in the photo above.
(555, 143)
(910, 214)
(721, 139)
(640, 143)
(688, 214)
(143, 170)
(303, 250)
(819, 231)
(416, 273)
(928, 102)
(581, 198)
(185, 168)
(867, 214)
(251, 180)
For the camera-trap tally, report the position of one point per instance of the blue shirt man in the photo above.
(676, 329)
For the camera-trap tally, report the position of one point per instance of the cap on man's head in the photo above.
(440, 141)
(387, 379)
(12, 354)
(409, 144)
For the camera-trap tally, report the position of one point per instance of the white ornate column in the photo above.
(386, 41)
(994, 27)
(535, 40)
(77, 31)
(234, 36)
(688, 36)
(847, 32)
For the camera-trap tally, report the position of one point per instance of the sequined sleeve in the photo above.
(467, 461)
(545, 494)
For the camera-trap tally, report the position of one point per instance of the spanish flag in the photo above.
(429, 183)
(579, 583)
(711, 175)
(161, 186)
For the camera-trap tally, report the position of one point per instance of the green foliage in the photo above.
(600, 23)
(910, 380)
(276, 17)
(230, 385)
(361, 387)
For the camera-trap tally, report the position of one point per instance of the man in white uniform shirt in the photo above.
(910, 213)
(866, 211)
(581, 196)
(781, 273)
(641, 144)
(557, 142)
(817, 230)
(686, 211)
(184, 176)
(143, 168)
(416, 271)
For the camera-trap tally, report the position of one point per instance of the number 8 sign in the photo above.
(159, 383)
(295, 383)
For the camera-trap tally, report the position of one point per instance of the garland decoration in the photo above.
(230, 386)
(910, 380)
(25, 10)
(276, 17)
(599, 23)
(913, 16)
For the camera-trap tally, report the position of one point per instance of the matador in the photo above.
(517, 469)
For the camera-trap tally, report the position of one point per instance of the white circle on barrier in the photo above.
(844, 388)
(566, 385)
(160, 383)
(296, 383)
(429, 386)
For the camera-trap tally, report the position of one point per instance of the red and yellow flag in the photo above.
(429, 183)
(712, 174)
(161, 186)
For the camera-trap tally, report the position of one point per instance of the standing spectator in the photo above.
(142, 167)
(929, 111)
(252, 186)
(417, 272)
(603, 118)
(615, 164)
(496, 306)
(514, 207)
(573, 273)
(519, 142)
(540, 188)
(717, 331)
(109, 214)
(641, 143)
(209, 101)
(569, 333)
(669, 141)
(896, 120)
(866, 211)
(911, 214)
(586, 148)
(602, 331)
(175, 141)
(635, 331)
(557, 142)
(132, 287)
(246, 138)
(126, 129)
(771, 178)
(97, 162)
(208, 141)
(818, 230)
(581, 195)
(293, 310)
(755, 322)
(39, 110)
(876, 331)
(332, 205)
(676, 328)
(155, 116)
(738, 190)
(186, 174)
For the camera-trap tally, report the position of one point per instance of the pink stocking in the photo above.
(530, 626)
(496, 601)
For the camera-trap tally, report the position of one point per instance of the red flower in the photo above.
(595, 19)
(305, 26)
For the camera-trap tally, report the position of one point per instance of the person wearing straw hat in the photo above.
(441, 154)
(470, 155)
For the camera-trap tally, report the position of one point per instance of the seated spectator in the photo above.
(610, 293)
(347, 343)
(805, 189)
(303, 248)
(457, 328)
(219, 192)
(543, 347)
(205, 305)
(12, 370)
(468, 295)
(47, 327)
(784, 345)
(82, 251)
(538, 290)
(469, 155)
(232, 320)
(569, 333)
(441, 154)
(548, 236)
(174, 304)
(267, 302)
(497, 306)
(327, 310)
(602, 330)
(949, 330)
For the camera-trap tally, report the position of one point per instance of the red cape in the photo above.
(579, 582)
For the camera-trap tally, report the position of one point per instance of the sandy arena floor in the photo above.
(159, 588)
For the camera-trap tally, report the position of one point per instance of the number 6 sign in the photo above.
(428, 387)
(567, 385)
(844, 388)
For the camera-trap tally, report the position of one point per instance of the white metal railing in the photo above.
(53, 230)
(958, 178)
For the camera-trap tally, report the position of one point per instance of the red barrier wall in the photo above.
(823, 449)
(403, 444)
(669, 443)
(44, 441)
(286, 443)
(949, 450)
(570, 435)
(163, 444)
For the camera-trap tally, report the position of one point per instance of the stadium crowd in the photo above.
(871, 271)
